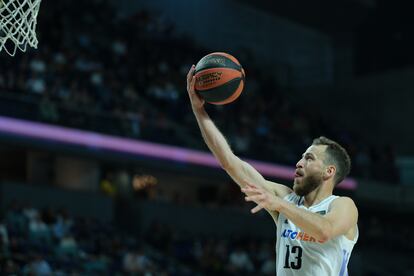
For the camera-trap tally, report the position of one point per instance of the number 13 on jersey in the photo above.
(293, 258)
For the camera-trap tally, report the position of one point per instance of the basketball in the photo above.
(219, 78)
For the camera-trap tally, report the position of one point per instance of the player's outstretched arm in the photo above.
(240, 171)
(342, 216)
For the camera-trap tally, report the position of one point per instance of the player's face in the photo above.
(309, 170)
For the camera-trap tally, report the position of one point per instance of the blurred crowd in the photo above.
(386, 228)
(125, 75)
(51, 242)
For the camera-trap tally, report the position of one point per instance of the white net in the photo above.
(18, 20)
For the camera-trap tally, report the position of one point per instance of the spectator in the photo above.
(39, 232)
(4, 240)
(38, 267)
(47, 110)
(240, 261)
(135, 261)
(107, 185)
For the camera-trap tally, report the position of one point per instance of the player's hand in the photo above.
(196, 101)
(263, 198)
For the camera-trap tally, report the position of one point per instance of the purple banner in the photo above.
(124, 145)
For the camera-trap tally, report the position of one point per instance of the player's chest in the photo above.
(290, 233)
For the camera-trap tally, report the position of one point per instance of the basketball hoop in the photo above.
(18, 20)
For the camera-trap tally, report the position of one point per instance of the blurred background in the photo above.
(99, 111)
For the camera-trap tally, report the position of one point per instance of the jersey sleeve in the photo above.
(292, 197)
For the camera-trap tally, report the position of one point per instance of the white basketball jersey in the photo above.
(298, 253)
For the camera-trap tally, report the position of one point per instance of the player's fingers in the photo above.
(249, 192)
(246, 189)
(255, 198)
(190, 87)
(256, 209)
(192, 83)
(250, 198)
(251, 185)
(190, 75)
(190, 72)
(193, 93)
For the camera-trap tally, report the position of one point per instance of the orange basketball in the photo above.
(219, 78)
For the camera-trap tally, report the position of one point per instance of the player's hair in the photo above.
(337, 155)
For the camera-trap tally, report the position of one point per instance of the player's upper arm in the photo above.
(279, 189)
(342, 216)
(242, 172)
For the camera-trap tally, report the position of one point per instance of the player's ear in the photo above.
(329, 172)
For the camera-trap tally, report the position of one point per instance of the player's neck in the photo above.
(317, 195)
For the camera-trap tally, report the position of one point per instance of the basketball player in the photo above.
(316, 230)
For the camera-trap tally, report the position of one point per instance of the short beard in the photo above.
(309, 184)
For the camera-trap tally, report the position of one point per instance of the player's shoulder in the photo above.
(344, 202)
(292, 197)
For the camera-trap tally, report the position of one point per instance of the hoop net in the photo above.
(18, 19)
